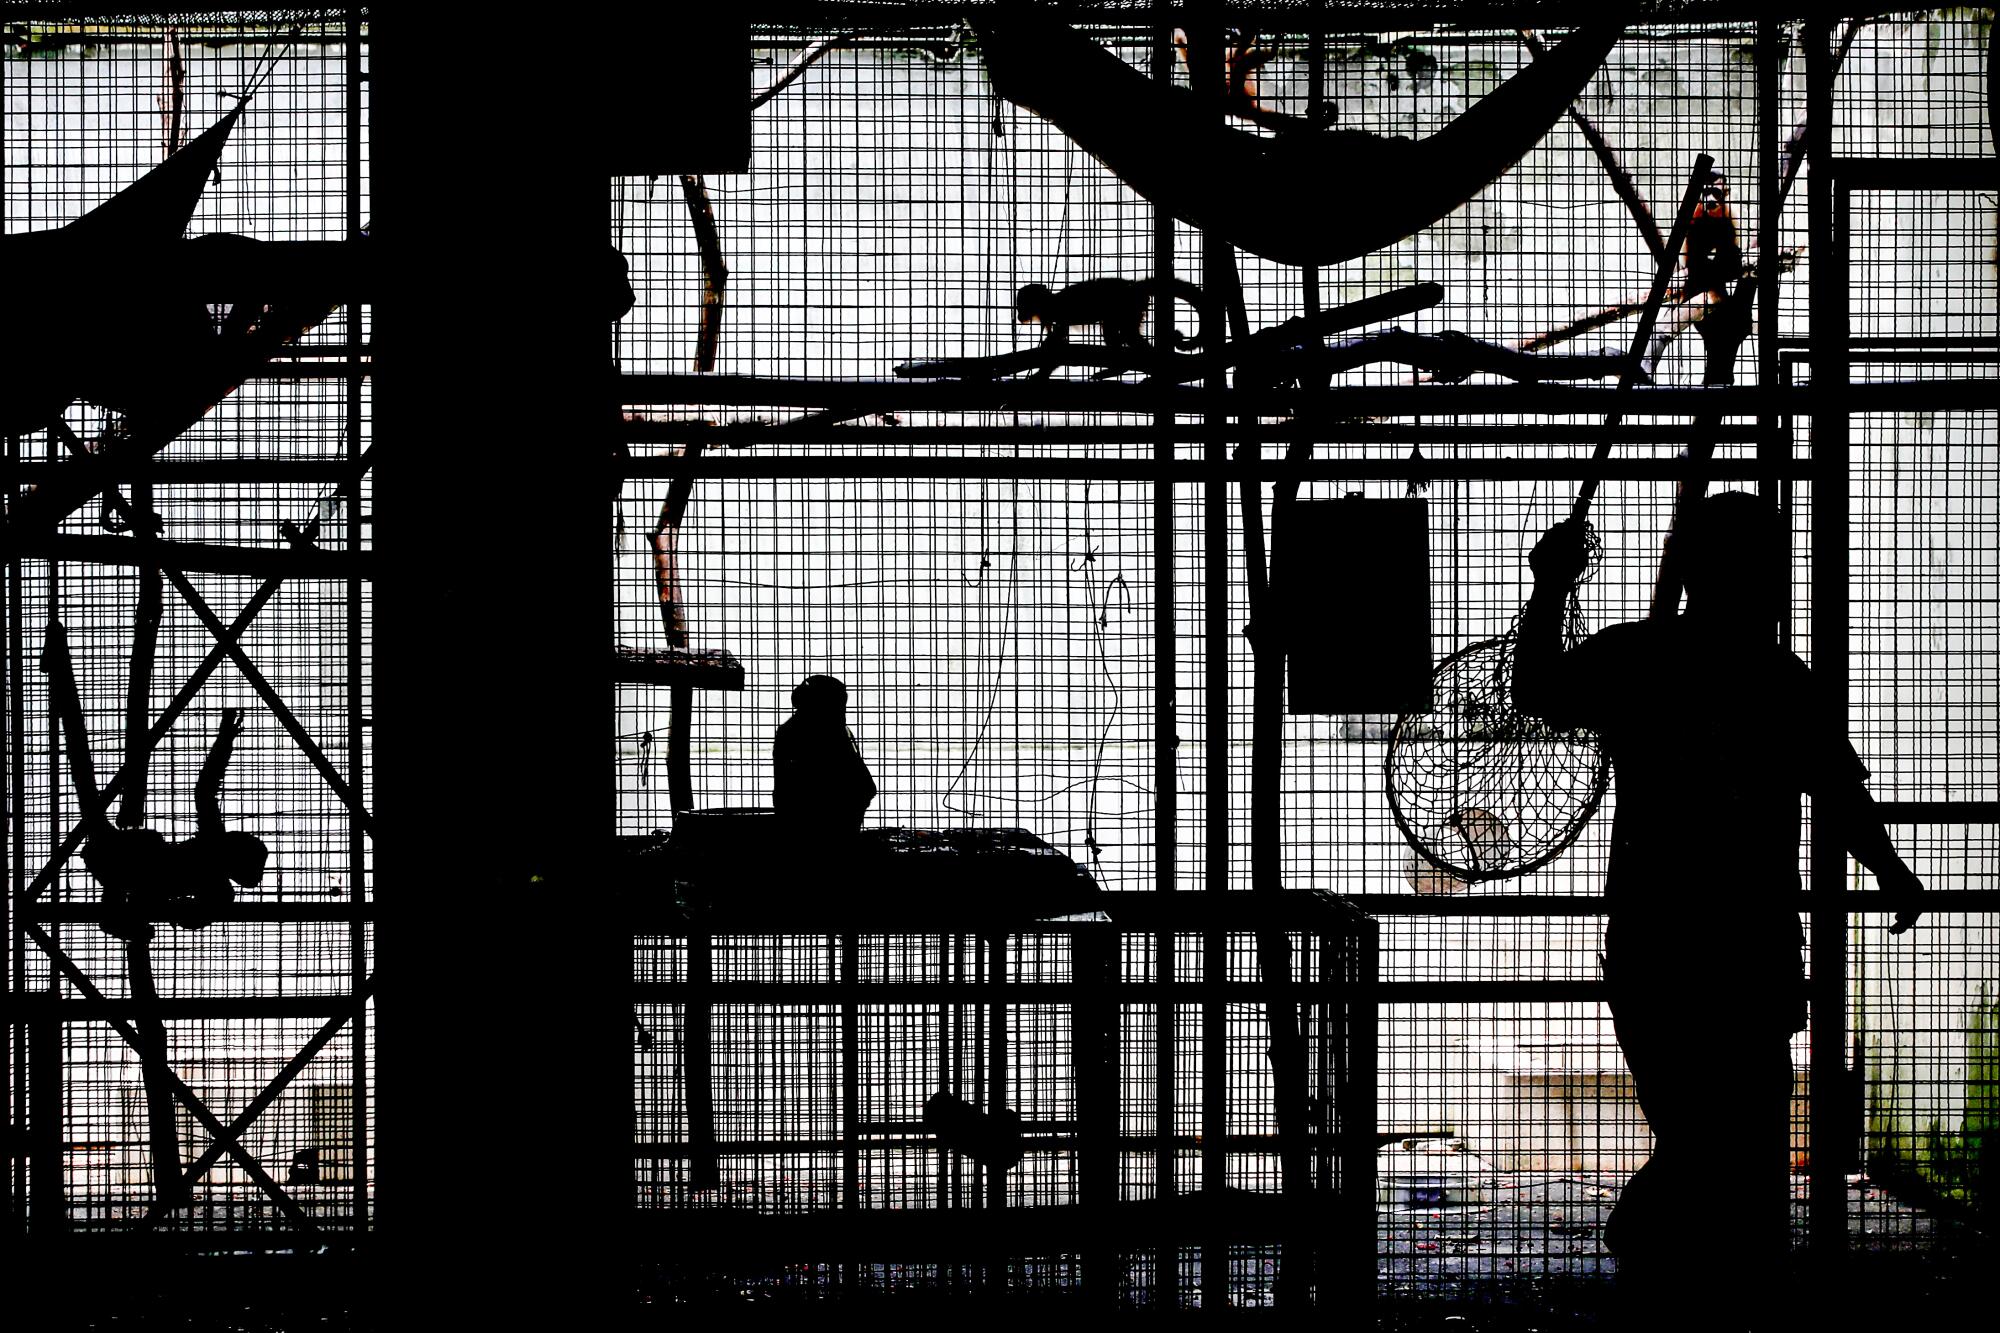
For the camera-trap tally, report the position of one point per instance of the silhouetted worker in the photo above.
(1714, 731)
(821, 784)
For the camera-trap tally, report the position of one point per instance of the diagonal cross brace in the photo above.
(182, 1092)
(258, 1104)
(101, 807)
(307, 745)
(230, 645)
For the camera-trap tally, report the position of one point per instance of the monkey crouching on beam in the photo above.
(1115, 305)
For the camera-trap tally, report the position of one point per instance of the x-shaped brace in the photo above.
(227, 644)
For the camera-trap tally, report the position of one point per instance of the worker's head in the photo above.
(1730, 554)
(820, 694)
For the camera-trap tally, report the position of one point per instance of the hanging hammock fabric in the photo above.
(1277, 196)
(158, 206)
(89, 302)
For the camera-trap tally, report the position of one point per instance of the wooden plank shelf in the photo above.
(700, 669)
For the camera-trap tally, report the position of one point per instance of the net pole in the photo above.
(1663, 276)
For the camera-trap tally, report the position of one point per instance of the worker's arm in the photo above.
(1846, 811)
(1540, 686)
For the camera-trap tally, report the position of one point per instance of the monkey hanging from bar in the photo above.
(1714, 253)
(1115, 305)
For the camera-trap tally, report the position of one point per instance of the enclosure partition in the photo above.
(948, 1098)
(196, 1067)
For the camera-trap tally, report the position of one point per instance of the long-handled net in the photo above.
(1481, 790)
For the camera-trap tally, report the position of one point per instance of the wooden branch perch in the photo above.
(1452, 356)
(714, 272)
(1788, 259)
(800, 66)
(673, 616)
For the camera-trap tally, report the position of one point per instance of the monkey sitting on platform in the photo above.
(1116, 305)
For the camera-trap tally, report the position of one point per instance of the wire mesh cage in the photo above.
(181, 1071)
(960, 1102)
(972, 395)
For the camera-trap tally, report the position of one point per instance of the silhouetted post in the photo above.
(1206, 74)
(48, 1212)
(1166, 728)
(1830, 594)
(494, 835)
(1094, 1051)
(699, 1057)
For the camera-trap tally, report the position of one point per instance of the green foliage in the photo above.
(1945, 1166)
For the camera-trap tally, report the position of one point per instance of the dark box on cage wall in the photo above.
(1351, 588)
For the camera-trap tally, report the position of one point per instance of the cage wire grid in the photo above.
(894, 205)
(89, 106)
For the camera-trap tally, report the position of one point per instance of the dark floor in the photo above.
(1524, 1255)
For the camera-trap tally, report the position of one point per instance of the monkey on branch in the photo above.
(1115, 305)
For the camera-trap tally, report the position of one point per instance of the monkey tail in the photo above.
(1181, 290)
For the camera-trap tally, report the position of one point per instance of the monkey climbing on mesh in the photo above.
(1481, 790)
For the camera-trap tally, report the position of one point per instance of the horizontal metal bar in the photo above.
(711, 466)
(1865, 346)
(1356, 400)
(190, 471)
(71, 9)
(1386, 433)
(1939, 812)
(980, 992)
(196, 557)
(1935, 902)
(1037, 1139)
(1595, 904)
(20, 1007)
(342, 912)
(1916, 173)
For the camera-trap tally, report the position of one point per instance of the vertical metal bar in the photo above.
(1315, 112)
(850, 1075)
(1830, 589)
(996, 1054)
(703, 1172)
(1770, 58)
(48, 1208)
(1094, 1055)
(1208, 81)
(994, 1178)
(1166, 739)
(1773, 438)
(1358, 1106)
(357, 840)
(13, 828)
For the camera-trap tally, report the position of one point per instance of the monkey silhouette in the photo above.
(820, 783)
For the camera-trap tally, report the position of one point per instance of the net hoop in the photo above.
(1474, 758)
